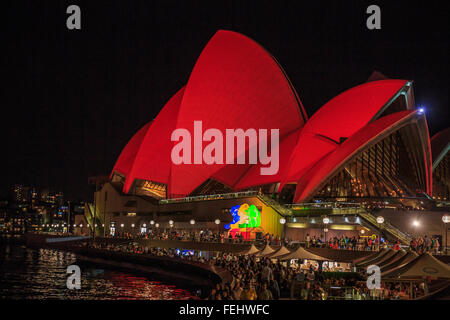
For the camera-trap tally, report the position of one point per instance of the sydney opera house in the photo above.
(368, 146)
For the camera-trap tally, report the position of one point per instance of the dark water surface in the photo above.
(27, 273)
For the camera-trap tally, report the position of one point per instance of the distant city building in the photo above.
(20, 193)
(31, 210)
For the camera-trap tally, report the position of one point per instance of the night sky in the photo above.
(72, 99)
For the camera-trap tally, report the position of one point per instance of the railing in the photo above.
(403, 237)
(324, 204)
(332, 208)
(282, 210)
(221, 196)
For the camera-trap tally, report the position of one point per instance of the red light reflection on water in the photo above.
(132, 287)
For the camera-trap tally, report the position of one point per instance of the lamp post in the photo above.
(68, 218)
(283, 223)
(217, 222)
(446, 219)
(104, 213)
(380, 221)
(326, 221)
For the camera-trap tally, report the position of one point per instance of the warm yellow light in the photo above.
(342, 227)
(297, 225)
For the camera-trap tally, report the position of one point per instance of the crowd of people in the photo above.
(425, 244)
(419, 244)
(206, 235)
(268, 280)
(261, 278)
(348, 243)
(344, 242)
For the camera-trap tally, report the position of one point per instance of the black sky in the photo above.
(72, 99)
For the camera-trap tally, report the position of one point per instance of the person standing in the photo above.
(427, 244)
(275, 289)
(437, 245)
(265, 293)
(248, 293)
(310, 276)
(237, 291)
(266, 273)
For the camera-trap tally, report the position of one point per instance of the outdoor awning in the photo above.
(280, 252)
(266, 251)
(403, 261)
(301, 254)
(369, 261)
(370, 256)
(386, 261)
(252, 250)
(422, 266)
(381, 259)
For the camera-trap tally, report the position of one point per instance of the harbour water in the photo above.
(27, 273)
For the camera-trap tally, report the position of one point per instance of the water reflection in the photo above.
(41, 274)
